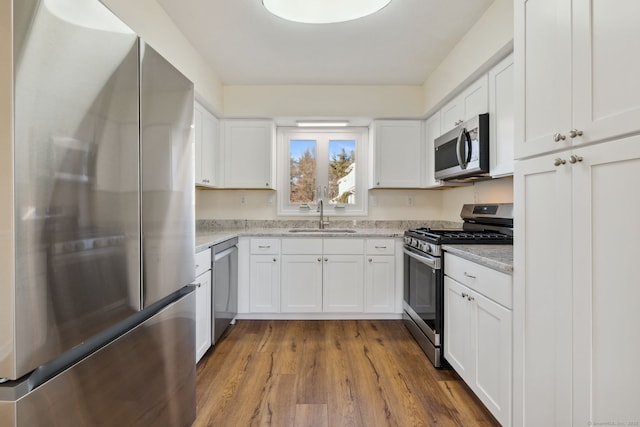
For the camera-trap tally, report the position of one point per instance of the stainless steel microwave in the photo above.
(463, 152)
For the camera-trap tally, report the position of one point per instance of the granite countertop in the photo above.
(497, 257)
(207, 239)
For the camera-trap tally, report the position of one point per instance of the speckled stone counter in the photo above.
(211, 232)
(497, 257)
(207, 239)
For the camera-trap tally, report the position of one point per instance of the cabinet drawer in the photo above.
(380, 246)
(265, 246)
(490, 283)
(203, 261)
(301, 246)
(343, 246)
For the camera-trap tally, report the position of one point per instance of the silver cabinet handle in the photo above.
(574, 159)
(264, 247)
(559, 161)
(380, 247)
(197, 266)
(559, 137)
(574, 132)
(469, 275)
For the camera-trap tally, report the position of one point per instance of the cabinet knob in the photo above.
(370, 260)
(378, 183)
(319, 259)
(575, 159)
(464, 295)
(326, 259)
(575, 132)
(469, 298)
(266, 185)
(559, 137)
(274, 260)
(559, 161)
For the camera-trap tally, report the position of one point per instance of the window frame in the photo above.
(322, 136)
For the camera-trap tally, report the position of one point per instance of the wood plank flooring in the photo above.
(334, 373)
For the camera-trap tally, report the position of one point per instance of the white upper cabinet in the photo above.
(249, 152)
(471, 102)
(501, 118)
(576, 73)
(207, 147)
(398, 154)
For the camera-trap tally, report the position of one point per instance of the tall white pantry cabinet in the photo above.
(576, 281)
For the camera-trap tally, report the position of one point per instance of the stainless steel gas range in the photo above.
(424, 273)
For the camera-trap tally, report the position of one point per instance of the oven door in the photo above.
(423, 300)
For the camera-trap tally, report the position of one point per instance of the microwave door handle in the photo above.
(469, 147)
(459, 147)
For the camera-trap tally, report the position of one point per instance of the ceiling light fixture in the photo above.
(322, 123)
(323, 11)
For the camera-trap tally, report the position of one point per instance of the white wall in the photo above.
(152, 23)
(383, 204)
(323, 101)
(490, 39)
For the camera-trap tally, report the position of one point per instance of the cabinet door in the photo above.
(606, 66)
(264, 284)
(432, 131)
(501, 130)
(458, 334)
(473, 100)
(542, 294)
(301, 284)
(399, 153)
(492, 356)
(542, 44)
(203, 314)
(206, 146)
(606, 292)
(197, 152)
(380, 289)
(248, 153)
(209, 150)
(343, 284)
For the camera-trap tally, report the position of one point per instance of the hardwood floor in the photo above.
(333, 373)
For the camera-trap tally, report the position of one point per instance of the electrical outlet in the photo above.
(409, 200)
(243, 200)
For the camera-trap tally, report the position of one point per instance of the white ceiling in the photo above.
(399, 45)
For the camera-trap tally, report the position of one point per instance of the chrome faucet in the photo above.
(321, 210)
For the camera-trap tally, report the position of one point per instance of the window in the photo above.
(322, 164)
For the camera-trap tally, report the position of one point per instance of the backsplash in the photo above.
(214, 225)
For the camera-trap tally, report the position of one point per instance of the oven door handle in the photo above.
(428, 260)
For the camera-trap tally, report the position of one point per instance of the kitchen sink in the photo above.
(317, 230)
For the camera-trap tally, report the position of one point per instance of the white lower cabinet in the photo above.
(265, 283)
(380, 276)
(477, 332)
(322, 275)
(301, 283)
(203, 302)
(343, 284)
(264, 276)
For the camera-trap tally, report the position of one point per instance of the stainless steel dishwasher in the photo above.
(225, 287)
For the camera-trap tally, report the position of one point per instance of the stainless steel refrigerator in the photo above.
(97, 222)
